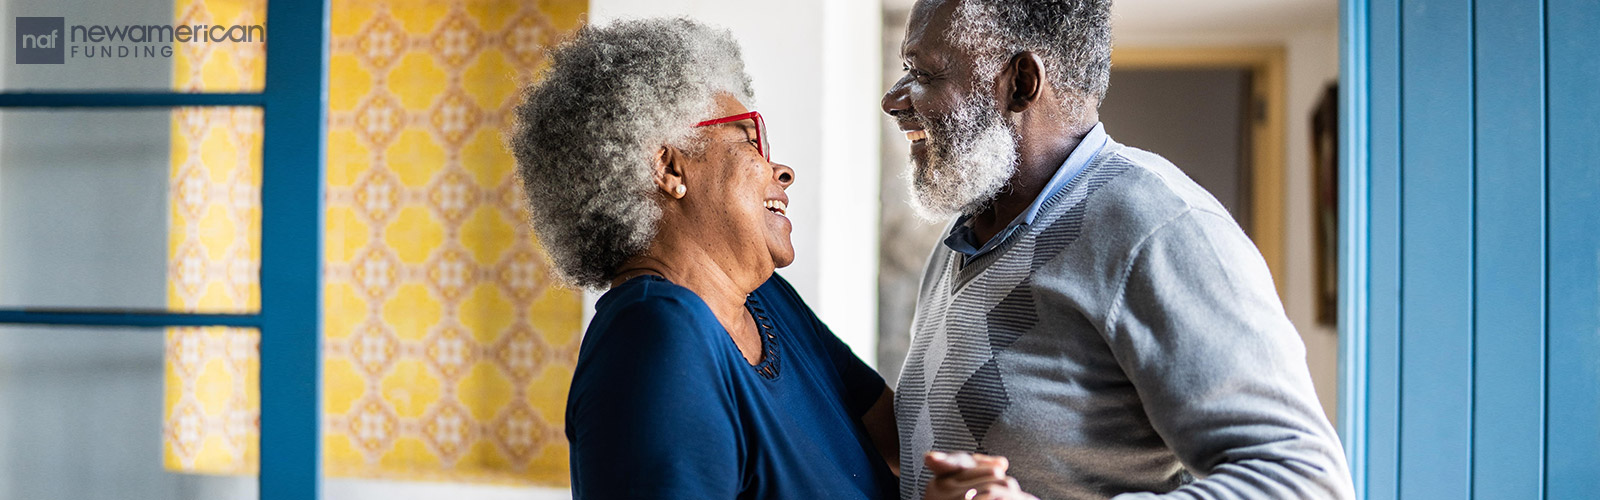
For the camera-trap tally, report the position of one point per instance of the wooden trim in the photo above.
(1268, 143)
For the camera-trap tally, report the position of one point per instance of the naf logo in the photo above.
(40, 40)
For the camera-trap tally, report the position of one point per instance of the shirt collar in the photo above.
(963, 240)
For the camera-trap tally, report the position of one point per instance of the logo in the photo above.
(41, 40)
(48, 40)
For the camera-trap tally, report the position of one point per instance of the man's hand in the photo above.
(963, 476)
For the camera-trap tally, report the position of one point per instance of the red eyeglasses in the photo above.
(761, 130)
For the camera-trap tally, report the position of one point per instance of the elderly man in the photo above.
(1094, 316)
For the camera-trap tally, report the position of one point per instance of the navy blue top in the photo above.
(663, 405)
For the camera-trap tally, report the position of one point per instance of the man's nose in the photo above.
(897, 99)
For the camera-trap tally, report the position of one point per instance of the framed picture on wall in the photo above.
(1325, 168)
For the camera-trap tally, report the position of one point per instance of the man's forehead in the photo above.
(927, 24)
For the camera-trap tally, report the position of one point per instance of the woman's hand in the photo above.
(962, 476)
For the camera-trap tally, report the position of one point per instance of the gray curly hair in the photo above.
(586, 135)
(1073, 37)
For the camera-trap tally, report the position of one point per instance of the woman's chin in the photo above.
(782, 256)
(782, 252)
(778, 241)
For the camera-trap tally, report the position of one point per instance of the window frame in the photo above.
(294, 120)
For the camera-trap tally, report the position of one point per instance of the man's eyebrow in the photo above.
(913, 57)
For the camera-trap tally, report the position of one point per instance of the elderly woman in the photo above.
(703, 375)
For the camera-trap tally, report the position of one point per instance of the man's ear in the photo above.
(1022, 81)
(669, 169)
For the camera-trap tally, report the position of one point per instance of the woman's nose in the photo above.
(783, 174)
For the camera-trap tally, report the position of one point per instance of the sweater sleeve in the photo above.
(1199, 329)
(651, 414)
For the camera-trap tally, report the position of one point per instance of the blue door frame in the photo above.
(1470, 248)
(294, 104)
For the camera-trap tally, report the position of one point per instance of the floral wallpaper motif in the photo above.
(448, 347)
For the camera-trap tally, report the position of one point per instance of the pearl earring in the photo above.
(678, 191)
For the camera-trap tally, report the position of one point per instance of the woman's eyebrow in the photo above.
(746, 125)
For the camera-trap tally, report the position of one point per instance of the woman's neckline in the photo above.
(766, 365)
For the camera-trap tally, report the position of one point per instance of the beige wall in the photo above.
(1313, 61)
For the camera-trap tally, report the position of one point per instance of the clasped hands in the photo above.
(967, 476)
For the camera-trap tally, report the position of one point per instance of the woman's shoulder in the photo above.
(648, 341)
(650, 295)
(652, 314)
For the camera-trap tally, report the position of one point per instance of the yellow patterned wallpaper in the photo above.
(212, 404)
(449, 350)
(448, 347)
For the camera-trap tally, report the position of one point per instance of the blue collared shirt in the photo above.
(963, 240)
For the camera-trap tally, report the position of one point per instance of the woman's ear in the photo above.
(669, 169)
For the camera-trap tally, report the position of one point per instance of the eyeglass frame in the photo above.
(761, 129)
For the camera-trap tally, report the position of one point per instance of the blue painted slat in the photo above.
(1353, 231)
(1384, 216)
(128, 100)
(1436, 289)
(1508, 359)
(126, 318)
(291, 240)
(1573, 420)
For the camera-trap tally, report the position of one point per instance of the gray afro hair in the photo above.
(586, 134)
(1072, 37)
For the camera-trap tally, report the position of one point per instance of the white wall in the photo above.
(815, 69)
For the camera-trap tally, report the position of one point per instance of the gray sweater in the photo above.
(1129, 341)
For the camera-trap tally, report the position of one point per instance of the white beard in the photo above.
(972, 154)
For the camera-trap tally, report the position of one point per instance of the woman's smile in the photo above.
(779, 207)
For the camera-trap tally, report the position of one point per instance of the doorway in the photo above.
(1198, 118)
(1217, 113)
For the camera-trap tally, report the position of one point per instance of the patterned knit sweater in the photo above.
(1129, 341)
